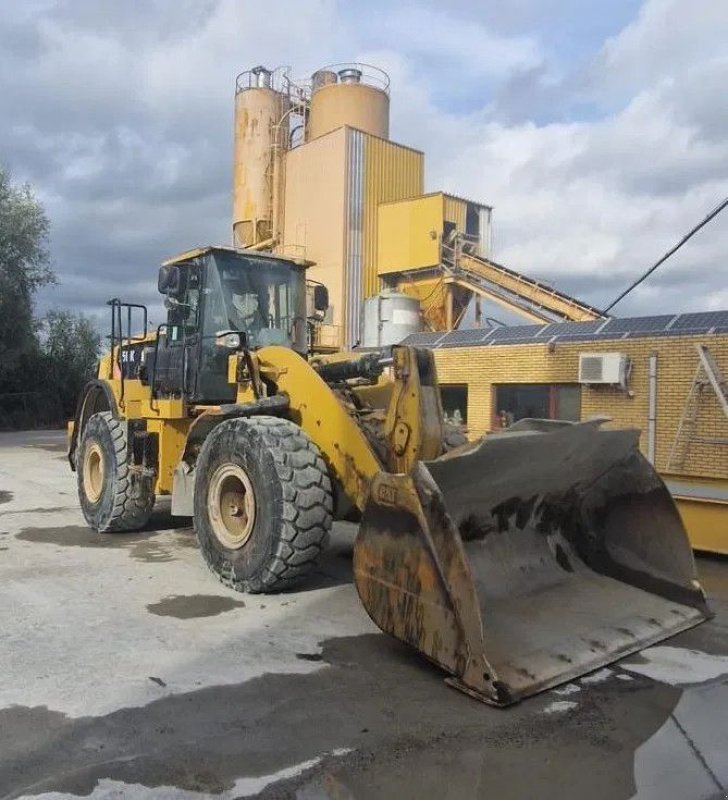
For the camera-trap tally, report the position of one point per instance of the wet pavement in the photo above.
(128, 672)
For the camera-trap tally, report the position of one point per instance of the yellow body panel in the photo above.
(172, 439)
(316, 409)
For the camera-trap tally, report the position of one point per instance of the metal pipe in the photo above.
(278, 178)
(652, 408)
(266, 243)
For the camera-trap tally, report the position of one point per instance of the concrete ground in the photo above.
(127, 671)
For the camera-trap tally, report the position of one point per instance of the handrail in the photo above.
(116, 321)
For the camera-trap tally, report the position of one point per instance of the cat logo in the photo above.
(387, 494)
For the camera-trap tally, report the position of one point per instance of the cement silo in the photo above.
(261, 135)
(356, 95)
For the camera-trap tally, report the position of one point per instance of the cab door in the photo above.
(211, 365)
(174, 372)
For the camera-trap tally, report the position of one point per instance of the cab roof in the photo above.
(196, 252)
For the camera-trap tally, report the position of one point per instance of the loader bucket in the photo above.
(528, 559)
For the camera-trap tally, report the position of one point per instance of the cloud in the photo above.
(599, 137)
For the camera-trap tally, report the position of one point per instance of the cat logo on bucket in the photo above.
(387, 494)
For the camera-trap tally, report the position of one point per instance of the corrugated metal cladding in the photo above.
(378, 171)
(455, 211)
(392, 172)
(354, 228)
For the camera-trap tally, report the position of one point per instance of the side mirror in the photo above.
(320, 297)
(169, 280)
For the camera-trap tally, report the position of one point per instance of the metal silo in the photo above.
(261, 135)
(356, 95)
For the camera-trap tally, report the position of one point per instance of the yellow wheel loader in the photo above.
(515, 563)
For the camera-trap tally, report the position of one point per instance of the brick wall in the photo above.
(482, 367)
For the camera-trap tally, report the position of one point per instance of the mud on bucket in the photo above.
(528, 559)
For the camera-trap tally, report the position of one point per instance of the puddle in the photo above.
(5, 497)
(678, 666)
(232, 739)
(570, 688)
(243, 787)
(560, 706)
(194, 605)
(409, 736)
(597, 677)
(153, 546)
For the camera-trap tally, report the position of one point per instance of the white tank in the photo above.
(388, 318)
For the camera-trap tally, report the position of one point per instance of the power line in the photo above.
(714, 213)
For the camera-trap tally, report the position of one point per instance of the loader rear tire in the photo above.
(267, 542)
(114, 498)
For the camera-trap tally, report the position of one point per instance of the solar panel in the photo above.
(470, 336)
(516, 331)
(425, 339)
(704, 320)
(639, 324)
(600, 330)
(567, 328)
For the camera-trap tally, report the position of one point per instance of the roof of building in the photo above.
(692, 324)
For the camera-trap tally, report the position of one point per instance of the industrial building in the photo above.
(316, 176)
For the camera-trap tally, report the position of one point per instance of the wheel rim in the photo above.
(93, 472)
(231, 506)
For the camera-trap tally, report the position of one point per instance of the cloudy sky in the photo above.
(598, 131)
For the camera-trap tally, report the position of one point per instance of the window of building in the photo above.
(455, 402)
(516, 401)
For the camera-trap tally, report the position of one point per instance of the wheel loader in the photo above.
(515, 563)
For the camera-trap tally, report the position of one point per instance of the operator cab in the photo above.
(219, 300)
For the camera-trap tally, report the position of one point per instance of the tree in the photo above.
(70, 346)
(24, 268)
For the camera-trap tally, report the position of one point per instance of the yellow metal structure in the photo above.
(315, 175)
(703, 506)
(409, 234)
(335, 225)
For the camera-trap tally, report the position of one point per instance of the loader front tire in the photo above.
(114, 498)
(263, 503)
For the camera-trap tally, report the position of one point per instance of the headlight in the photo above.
(230, 341)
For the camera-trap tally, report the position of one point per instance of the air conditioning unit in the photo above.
(611, 369)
